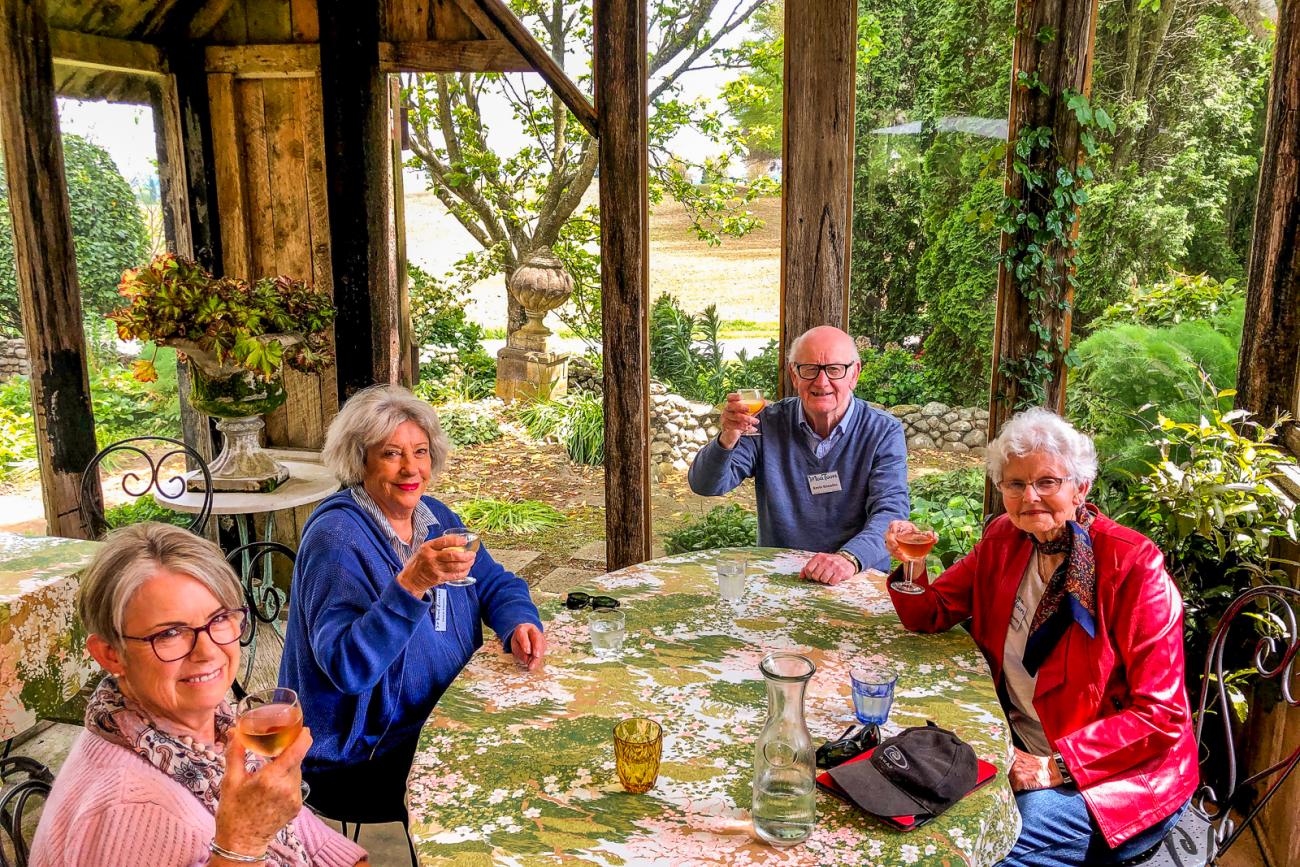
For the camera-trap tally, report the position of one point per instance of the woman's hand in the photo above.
(434, 564)
(528, 645)
(892, 532)
(1029, 772)
(254, 807)
(735, 421)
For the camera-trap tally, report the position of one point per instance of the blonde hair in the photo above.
(368, 418)
(131, 556)
(1041, 430)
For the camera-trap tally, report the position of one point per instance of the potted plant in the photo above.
(238, 336)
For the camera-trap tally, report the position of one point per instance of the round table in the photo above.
(309, 482)
(518, 767)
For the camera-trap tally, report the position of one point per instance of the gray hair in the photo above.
(368, 418)
(131, 556)
(798, 342)
(1041, 430)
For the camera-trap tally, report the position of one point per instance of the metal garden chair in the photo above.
(136, 484)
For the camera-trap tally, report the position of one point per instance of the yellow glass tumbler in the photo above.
(638, 743)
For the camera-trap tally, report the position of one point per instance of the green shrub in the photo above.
(575, 421)
(953, 504)
(893, 376)
(144, 509)
(469, 424)
(1180, 298)
(472, 375)
(686, 355)
(518, 517)
(729, 526)
(438, 315)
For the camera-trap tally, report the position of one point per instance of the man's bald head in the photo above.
(823, 340)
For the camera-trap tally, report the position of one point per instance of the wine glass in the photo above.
(471, 544)
(915, 546)
(754, 402)
(269, 720)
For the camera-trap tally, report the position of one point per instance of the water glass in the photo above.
(873, 694)
(607, 629)
(731, 580)
(638, 745)
(470, 542)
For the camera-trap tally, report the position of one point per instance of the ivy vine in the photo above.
(1043, 252)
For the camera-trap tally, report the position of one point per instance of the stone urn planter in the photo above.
(526, 366)
(238, 398)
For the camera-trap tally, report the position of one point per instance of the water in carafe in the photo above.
(785, 799)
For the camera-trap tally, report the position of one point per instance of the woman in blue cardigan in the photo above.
(375, 636)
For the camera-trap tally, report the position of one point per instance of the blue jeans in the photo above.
(1057, 831)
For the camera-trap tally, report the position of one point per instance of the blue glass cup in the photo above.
(873, 694)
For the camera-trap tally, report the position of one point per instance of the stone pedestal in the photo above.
(529, 373)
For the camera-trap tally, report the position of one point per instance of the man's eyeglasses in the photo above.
(850, 744)
(177, 642)
(578, 600)
(1046, 486)
(809, 372)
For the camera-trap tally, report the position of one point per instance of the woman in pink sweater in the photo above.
(160, 777)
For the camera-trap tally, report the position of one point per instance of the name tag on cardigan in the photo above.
(824, 483)
(440, 609)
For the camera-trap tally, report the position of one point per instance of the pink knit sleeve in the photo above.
(327, 847)
(125, 835)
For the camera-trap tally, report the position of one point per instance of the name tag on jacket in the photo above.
(824, 483)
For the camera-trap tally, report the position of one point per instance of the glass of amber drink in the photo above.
(754, 402)
(269, 720)
(915, 546)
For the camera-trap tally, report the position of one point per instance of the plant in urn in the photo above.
(237, 337)
(525, 366)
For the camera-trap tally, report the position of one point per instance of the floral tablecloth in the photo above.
(518, 768)
(43, 660)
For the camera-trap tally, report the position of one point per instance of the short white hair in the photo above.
(369, 418)
(798, 342)
(1041, 430)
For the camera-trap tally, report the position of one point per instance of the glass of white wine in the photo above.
(269, 720)
(470, 542)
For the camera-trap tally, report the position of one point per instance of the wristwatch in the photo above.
(857, 567)
(1066, 777)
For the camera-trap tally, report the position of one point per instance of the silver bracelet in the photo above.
(216, 849)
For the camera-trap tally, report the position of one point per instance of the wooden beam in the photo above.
(45, 262)
(817, 150)
(409, 351)
(355, 100)
(264, 61)
(620, 77)
(504, 20)
(1268, 375)
(480, 55)
(102, 53)
(1061, 62)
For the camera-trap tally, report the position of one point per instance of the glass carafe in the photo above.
(785, 795)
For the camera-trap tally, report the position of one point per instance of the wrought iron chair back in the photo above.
(140, 483)
(15, 823)
(265, 601)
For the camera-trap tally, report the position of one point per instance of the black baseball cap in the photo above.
(921, 771)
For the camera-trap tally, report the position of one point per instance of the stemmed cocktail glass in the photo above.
(915, 545)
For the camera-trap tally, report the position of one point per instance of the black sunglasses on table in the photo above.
(849, 745)
(578, 600)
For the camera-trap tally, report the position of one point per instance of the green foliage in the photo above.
(172, 298)
(756, 99)
(953, 504)
(1207, 503)
(470, 376)
(438, 308)
(686, 355)
(517, 517)
(1181, 297)
(893, 375)
(576, 421)
(468, 424)
(143, 509)
(729, 526)
(108, 232)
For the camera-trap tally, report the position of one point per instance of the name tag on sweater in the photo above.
(440, 609)
(824, 483)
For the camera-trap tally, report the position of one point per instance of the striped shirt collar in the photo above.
(421, 520)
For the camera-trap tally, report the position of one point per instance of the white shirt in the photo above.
(1019, 682)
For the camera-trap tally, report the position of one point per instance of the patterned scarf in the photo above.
(1074, 580)
(119, 720)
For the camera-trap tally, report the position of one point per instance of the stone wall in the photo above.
(13, 358)
(943, 427)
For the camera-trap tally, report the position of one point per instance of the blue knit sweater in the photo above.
(363, 653)
(871, 460)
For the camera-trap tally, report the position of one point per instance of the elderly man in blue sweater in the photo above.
(829, 470)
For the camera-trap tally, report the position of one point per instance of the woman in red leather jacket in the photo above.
(1083, 630)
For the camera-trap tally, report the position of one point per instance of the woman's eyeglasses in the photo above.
(177, 642)
(1046, 486)
(849, 745)
(578, 600)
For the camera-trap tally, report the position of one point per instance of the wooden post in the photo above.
(1268, 375)
(1054, 40)
(45, 263)
(619, 65)
(408, 351)
(359, 186)
(817, 173)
